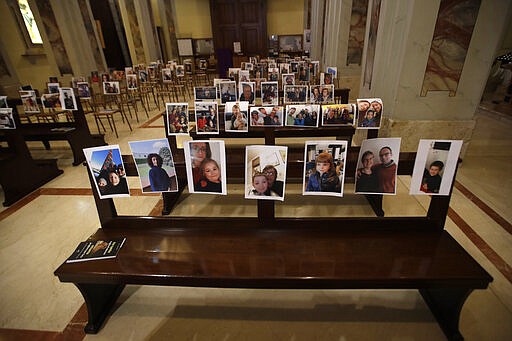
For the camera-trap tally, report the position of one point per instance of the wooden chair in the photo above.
(105, 109)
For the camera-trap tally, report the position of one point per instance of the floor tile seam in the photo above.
(496, 260)
(489, 211)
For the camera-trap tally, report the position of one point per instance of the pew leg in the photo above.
(99, 298)
(46, 144)
(446, 305)
(375, 201)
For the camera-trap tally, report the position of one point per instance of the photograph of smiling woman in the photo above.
(206, 166)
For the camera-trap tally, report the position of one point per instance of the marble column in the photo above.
(139, 25)
(404, 38)
(317, 28)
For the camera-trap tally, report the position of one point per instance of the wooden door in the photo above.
(240, 20)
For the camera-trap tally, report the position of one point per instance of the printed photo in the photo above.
(244, 76)
(288, 79)
(155, 165)
(177, 118)
(333, 71)
(269, 93)
(6, 119)
(284, 68)
(233, 73)
(227, 90)
(180, 71)
(83, 90)
(338, 114)
(29, 100)
(304, 73)
(53, 79)
(369, 113)
(295, 93)
(324, 167)
(53, 88)
(435, 165)
(105, 77)
(206, 166)
(187, 63)
(95, 77)
(235, 114)
(111, 88)
(166, 75)
(106, 165)
(273, 74)
(265, 174)
(143, 76)
(302, 115)
(3, 102)
(325, 78)
(151, 72)
(117, 75)
(207, 117)
(67, 99)
(266, 116)
(51, 101)
(131, 82)
(203, 64)
(326, 94)
(205, 93)
(246, 90)
(377, 166)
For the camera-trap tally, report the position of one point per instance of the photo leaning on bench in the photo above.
(203, 151)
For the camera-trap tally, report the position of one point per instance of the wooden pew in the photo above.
(20, 174)
(77, 133)
(269, 252)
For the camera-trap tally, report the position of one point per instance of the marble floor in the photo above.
(39, 232)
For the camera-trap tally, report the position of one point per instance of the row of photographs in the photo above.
(229, 91)
(59, 98)
(265, 168)
(237, 118)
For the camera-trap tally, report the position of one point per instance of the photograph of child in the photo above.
(207, 118)
(369, 113)
(246, 91)
(269, 93)
(205, 93)
(302, 115)
(106, 165)
(177, 118)
(338, 114)
(377, 166)
(324, 168)
(266, 116)
(206, 166)
(67, 99)
(295, 93)
(227, 90)
(265, 174)
(235, 115)
(29, 100)
(6, 119)
(83, 90)
(111, 88)
(155, 165)
(434, 167)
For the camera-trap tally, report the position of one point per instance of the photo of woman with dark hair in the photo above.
(159, 180)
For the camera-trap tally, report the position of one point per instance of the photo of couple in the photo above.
(377, 166)
(265, 174)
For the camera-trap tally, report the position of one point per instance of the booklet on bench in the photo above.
(96, 249)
